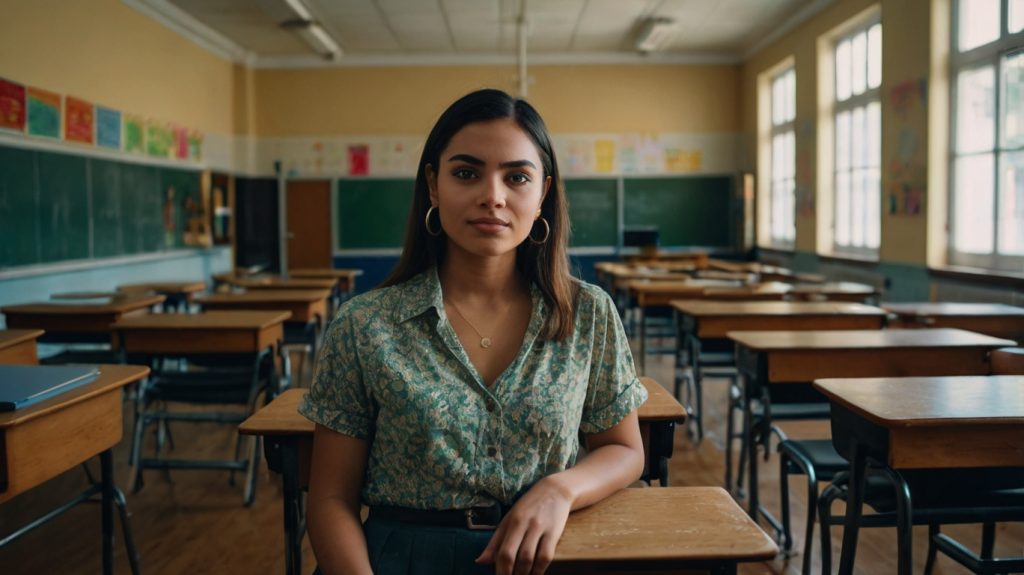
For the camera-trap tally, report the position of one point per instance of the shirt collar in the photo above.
(423, 292)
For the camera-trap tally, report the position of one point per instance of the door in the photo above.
(309, 224)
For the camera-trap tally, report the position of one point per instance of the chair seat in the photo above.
(784, 411)
(818, 452)
(205, 387)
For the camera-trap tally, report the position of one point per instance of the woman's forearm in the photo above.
(600, 473)
(336, 532)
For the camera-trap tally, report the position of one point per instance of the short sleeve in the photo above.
(614, 389)
(338, 398)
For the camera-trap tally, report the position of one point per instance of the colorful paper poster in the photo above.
(12, 106)
(180, 143)
(677, 160)
(78, 120)
(43, 113)
(604, 156)
(159, 139)
(195, 145)
(108, 128)
(358, 160)
(134, 134)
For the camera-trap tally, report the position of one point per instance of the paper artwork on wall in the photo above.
(906, 182)
(12, 106)
(134, 134)
(180, 142)
(159, 139)
(195, 145)
(79, 121)
(108, 128)
(604, 156)
(43, 113)
(358, 160)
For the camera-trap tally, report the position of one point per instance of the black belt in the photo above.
(476, 518)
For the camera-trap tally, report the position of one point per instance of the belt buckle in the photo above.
(472, 521)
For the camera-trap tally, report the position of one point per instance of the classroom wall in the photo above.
(109, 53)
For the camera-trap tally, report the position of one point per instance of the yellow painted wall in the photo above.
(109, 53)
(407, 100)
(905, 57)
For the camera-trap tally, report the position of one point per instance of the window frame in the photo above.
(991, 54)
(781, 129)
(853, 102)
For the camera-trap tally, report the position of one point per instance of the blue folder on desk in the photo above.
(25, 385)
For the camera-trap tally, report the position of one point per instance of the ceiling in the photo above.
(404, 31)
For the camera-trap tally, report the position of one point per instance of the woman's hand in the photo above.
(524, 543)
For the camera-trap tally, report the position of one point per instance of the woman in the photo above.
(450, 399)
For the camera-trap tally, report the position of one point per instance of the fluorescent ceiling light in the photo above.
(299, 9)
(311, 31)
(328, 45)
(655, 34)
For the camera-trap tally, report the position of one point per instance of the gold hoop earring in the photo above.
(547, 232)
(426, 222)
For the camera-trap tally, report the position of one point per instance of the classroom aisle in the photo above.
(194, 521)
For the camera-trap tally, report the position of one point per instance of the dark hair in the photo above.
(546, 265)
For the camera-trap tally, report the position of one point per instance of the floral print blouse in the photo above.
(392, 371)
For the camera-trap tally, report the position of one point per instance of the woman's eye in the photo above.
(519, 178)
(464, 173)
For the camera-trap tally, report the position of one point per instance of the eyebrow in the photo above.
(478, 162)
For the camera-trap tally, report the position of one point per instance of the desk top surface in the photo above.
(833, 288)
(209, 320)
(710, 308)
(12, 337)
(164, 287)
(684, 287)
(267, 296)
(864, 339)
(664, 524)
(953, 309)
(285, 283)
(281, 416)
(111, 376)
(931, 401)
(628, 273)
(325, 273)
(85, 295)
(111, 305)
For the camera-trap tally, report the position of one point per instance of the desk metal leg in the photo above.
(854, 505)
(750, 442)
(107, 506)
(293, 513)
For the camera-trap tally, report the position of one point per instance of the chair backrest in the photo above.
(1008, 361)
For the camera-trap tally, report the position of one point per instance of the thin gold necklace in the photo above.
(485, 342)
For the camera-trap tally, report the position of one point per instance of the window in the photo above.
(858, 134)
(782, 204)
(987, 156)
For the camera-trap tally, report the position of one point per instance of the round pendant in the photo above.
(485, 342)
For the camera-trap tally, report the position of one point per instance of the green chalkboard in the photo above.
(373, 213)
(19, 231)
(688, 211)
(186, 187)
(106, 208)
(593, 212)
(63, 207)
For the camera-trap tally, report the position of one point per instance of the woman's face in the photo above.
(488, 187)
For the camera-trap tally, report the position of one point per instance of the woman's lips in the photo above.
(489, 225)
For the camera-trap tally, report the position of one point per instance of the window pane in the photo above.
(875, 56)
(973, 210)
(843, 71)
(978, 22)
(858, 139)
(874, 143)
(790, 211)
(975, 114)
(778, 106)
(790, 95)
(1013, 100)
(843, 141)
(857, 209)
(874, 208)
(1016, 16)
(842, 209)
(859, 63)
(1011, 205)
(790, 154)
(776, 157)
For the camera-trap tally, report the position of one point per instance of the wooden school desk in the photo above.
(662, 531)
(346, 277)
(177, 293)
(288, 438)
(658, 294)
(698, 258)
(703, 324)
(900, 424)
(995, 319)
(833, 291)
(46, 439)
(766, 359)
(279, 283)
(77, 322)
(248, 339)
(18, 346)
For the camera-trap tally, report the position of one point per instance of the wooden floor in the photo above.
(193, 522)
